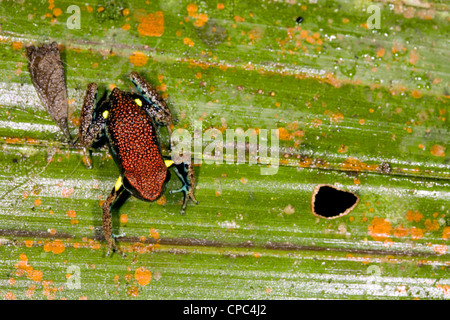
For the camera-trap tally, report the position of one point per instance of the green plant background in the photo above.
(349, 102)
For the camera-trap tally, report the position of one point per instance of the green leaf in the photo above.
(365, 110)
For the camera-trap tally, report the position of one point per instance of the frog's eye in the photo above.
(138, 102)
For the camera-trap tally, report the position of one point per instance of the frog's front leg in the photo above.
(185, 173)
(155, 107)
(106, 218)
(91, 123)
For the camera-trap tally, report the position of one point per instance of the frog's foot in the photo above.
(188, 194)
(113, 247)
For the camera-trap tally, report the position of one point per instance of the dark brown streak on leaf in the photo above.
(188, 242)
(47, 74)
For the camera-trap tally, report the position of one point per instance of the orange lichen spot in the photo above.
(192, 10)
(57, 12)
(362, 121)
(345, 20)
(243, 180)
(138, 59)
(29, 243)
(125, 12)
(337, 117)
(17, 45)
(89, 8)
(52, 231)
(414, 215)
(37, 202)
(133, 291)
(66, 193)
(257, 255)
(283, 134)
(316, 122)
(437, 150)
(100, 9)
(446, 233)
(220, 6)
(12, 281)
(179, 33)
(440, 249)
(380, 229)
(431, 225)
(444, 288)
(126, 27)
(56, 246)
(343, 149)
(10, 296)
(416, 233)
(413, 57)
(142, 276)
(401, 232)
(29, 293)
(152, 25)
(303, 34)
(188, 42)
(35, 275)
(416, 94)
(71, 213)
(238, 19)
(356, 181)
(123, 218)
(201, 20)
(162, 200)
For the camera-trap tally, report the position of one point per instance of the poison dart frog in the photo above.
(129, 124)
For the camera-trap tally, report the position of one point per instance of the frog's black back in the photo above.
(135, 147)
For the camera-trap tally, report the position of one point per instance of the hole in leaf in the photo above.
(330, 202)
(299, 20)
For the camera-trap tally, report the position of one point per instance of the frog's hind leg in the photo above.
(116, 192)
(91, 122)
(185, 173)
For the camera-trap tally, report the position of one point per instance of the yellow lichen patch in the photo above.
(380, 229)
(437, 150)
(142, 276)
(416, 94)
(162, 200)
(354, 164)
(152, 25)
(17, 45)
(56, 246)
(138, 59)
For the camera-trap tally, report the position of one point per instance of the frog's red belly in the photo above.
(135, 146)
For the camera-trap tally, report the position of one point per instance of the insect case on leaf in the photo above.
(47, 74)
(128, 123)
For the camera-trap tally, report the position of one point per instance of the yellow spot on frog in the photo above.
(105, 114)
(168, 163)
(138, 102)
(118, 184)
